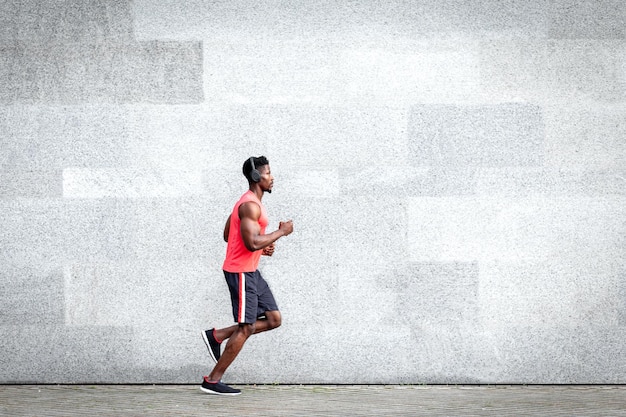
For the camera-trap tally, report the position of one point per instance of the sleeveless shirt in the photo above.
(238, 257)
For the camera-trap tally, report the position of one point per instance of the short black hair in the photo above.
(259, 161)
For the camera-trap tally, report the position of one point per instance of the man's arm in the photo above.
(227, 229)
(249, 213)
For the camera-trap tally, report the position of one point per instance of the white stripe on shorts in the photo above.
(242, 298)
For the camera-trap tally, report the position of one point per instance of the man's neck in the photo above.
(256, 190)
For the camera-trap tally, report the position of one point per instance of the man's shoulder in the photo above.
(250, 209)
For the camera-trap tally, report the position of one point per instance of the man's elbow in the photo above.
(251, 246)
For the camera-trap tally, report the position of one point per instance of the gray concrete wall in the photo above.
(456, 172)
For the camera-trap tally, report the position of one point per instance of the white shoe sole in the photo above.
(208, 391)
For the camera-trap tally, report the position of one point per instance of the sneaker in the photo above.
(212, 344)
(218, 388)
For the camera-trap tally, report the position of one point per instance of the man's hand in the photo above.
(268, 250)
(286, 227)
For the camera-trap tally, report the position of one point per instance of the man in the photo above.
(254, 307)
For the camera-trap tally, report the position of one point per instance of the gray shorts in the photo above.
(250, 296)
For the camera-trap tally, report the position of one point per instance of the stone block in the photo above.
(586, 70)
(525, 182)
(442, 181)
(510, 134)
(32, 233)
(481, 228)
(321, 183)
(68, 22)
(393, 74)
(95, 231)
(561, 355)
(319, 137)
(53, 232)
(123, 294)
(553, 71)
(59, 354)
(31, 297)
(47, 233)
(448, 352)
(434, 72)
(143, 230)
(181, 137)
(586, 138)
(435, 294)
(30, 184)
(513, 69)
(43, 138)
(63, 74)
(130, 183)
(324, 20)
(582, 19)
(367, 228)
(579, 293)
(510, 182)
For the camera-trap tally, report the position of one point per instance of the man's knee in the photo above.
(246, 329)
(274, 319)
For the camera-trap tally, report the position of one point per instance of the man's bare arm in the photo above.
(227, 229)
(249, 213)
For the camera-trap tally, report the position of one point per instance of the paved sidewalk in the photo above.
(307, 400)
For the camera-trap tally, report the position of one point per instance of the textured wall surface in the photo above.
(455, 170)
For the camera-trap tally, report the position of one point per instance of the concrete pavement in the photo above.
(311, 400)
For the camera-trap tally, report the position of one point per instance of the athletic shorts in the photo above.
(250, 296)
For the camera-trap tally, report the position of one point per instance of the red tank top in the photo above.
(238, 257)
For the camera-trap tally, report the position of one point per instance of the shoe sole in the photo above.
(208, 391)
(208, 346)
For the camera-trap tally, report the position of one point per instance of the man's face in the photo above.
(267, 180)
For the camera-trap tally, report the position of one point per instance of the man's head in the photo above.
(253, 163)
(264, 177)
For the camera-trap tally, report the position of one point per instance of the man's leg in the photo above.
(260, 302)
(237, 336)
(235, 343)
(272, 320)
(213, 338)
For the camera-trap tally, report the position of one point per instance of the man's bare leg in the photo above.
(233, 347)
(237, 336)
(271, 321)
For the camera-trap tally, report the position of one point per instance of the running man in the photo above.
(254, 307)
